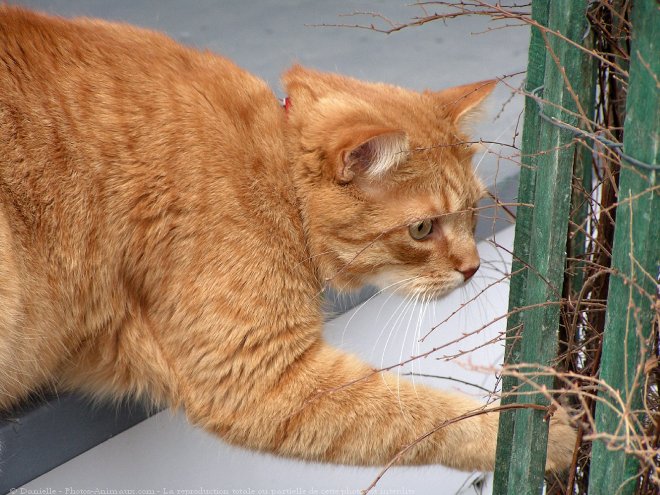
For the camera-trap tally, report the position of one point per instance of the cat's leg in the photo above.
(328, 406)
(295, 397)
(123, 360)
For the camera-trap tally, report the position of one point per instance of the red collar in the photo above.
(286, 104)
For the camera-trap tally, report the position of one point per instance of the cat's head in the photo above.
(385, 180)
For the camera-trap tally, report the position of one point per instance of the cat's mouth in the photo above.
(436, 288)
(422, 285)
(439, 292)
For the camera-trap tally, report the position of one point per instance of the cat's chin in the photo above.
(435, 292)
(430, 288)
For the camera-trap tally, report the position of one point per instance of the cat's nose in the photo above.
(469, 271)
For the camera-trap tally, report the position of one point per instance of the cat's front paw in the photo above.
(561, 442)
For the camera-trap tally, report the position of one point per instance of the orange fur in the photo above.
(166, 228)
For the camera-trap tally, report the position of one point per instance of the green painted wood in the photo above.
(530, 141)
(637, 237)
(547, 250)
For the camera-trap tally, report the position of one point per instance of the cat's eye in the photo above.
(420, 230)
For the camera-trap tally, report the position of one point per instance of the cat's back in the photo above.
(87, 104)
(45, 52)
(35, 43)
(121, 86)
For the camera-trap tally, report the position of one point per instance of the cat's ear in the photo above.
(461, 104)
(371, 152)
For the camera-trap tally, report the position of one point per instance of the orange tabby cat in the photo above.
(166, 229)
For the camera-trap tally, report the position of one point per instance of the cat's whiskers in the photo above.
(430, 303)
(407, 301)
(415, 350)
(385, 303)
(397, 315)
(433, 320)
(413, 306)
(419, 305)
(364, 303)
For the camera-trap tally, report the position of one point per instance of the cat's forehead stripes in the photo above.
(452, 201)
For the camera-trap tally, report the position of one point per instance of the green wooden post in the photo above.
(531, 129)
(547, 239)
(635, 257)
